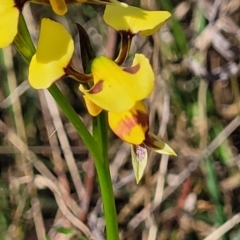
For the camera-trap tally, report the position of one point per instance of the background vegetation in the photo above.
(195, 108)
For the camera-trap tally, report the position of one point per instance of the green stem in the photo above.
(97, 147)
(100, 132)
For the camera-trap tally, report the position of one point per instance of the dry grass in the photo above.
(47, 180)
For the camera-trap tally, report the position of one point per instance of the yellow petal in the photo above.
(127, 18)
(116, 89)
(92, 108)
(131, 126)
(9, 15)
(59, 6)
(54, 52)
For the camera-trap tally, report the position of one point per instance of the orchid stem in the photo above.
(98, 149)
(96, 144)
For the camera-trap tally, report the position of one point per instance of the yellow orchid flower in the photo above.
(118, 89)
(54, 52)
(10, 10)
(132, 126)
(123, 17)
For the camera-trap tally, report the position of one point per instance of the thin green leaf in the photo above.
(66, 231)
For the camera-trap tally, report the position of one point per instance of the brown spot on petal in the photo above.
(126, 125)
(142, 118)
(97, 87)
(132, 70)
(19, 4)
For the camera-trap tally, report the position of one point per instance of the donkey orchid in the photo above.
(10, 11)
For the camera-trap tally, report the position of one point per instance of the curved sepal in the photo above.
(92, 108)
(123, 17)
(157, 145)
(139, 160)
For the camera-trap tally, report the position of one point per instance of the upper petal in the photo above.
(54, 52)
(55, 43)
(123, 17)
(116, 89)
(9, 15)
(132, 125)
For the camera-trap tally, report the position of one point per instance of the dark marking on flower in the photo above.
(143, 118)
(19, 4)
(149, 141)
(152, 142)
(76, 75)
(132, 70)
(127, 124)
(97, 87)
(127, 34)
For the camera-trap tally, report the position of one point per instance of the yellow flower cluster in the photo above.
(119, 91)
